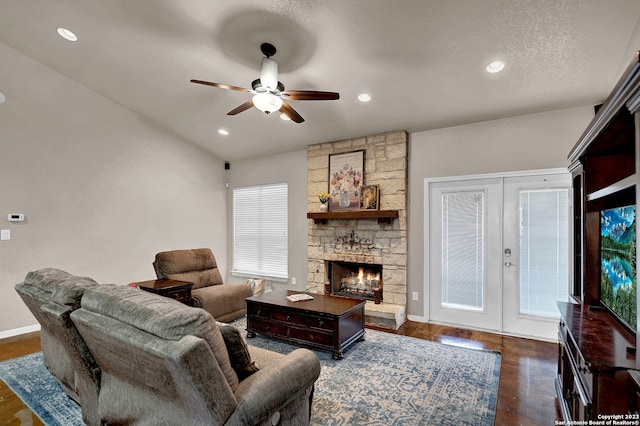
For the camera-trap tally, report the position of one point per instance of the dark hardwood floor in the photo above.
(526, 395)
(12, 411)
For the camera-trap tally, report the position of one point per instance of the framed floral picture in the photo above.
(346, 176)
(369, 197)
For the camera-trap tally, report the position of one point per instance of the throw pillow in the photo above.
(238, 351)
(257, 285)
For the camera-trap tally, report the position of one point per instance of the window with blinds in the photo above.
(463, 240)
(260, 230)
(544, 244)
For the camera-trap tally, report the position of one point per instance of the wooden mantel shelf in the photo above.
(383, 216)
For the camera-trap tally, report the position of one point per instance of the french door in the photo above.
(498, 251)
(465, 283)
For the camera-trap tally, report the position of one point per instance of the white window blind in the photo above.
(544, 248)
(260, 218)
(463, 238)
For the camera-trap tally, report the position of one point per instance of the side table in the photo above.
(179, 290)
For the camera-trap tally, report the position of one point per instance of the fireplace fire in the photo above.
(355, 280)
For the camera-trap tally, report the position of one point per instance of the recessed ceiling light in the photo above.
(495, 66)
(67, 34)
(364, 97)
(2, 98)
(223, 132)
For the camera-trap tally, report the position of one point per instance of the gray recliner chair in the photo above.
(163, 362)
(51, 295)
(225, 302)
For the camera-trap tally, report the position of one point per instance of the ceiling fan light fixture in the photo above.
(269, 74)
(267, 103)
(269, 93)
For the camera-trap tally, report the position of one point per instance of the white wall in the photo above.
(102, 190)
(290, 168)
(537, 141)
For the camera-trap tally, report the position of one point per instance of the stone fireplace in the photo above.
(340, 242)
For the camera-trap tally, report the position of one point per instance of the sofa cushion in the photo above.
(64, 288)
(70, 292)
(46, 279)
(160, 316)
(222, 299)
(238, 351)
(198, 266)
(200, 279)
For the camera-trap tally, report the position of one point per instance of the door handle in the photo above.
(507, 257)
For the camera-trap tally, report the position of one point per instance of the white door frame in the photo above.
(426, 290)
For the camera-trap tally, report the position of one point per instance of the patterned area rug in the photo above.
(30, 380)
(384, 380)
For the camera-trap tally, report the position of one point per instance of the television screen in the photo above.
(618, 262)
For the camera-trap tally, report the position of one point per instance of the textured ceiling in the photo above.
(422, 60)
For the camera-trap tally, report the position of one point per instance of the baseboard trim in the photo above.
(18, 331)
(417, 318)
(521, 336)
(500, 333)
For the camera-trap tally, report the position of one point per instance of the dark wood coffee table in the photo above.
(326, 322)
(179, 290)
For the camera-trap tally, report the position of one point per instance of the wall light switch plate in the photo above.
(415, 296)
(5, 234)
(293, 280)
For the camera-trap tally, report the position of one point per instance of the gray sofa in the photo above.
(51, 295)
(166, 363)
(225, 302)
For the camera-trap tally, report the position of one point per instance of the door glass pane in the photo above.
(463, 249)
(544, 255)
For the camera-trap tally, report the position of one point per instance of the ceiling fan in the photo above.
(269, 94)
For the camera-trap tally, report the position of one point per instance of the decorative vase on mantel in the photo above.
(324, 197)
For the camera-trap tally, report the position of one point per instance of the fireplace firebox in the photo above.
(355, 280)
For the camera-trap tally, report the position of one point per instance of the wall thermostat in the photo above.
(14, 217)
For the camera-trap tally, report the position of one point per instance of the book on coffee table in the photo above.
(299, 297)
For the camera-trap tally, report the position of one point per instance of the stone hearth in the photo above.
(385, 166)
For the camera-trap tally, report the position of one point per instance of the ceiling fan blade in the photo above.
(221, 86)
(310, 95)
(287, 110)
(245, 106)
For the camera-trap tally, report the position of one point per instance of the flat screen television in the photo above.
(618, 263)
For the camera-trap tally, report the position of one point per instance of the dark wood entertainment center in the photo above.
(597, 365)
